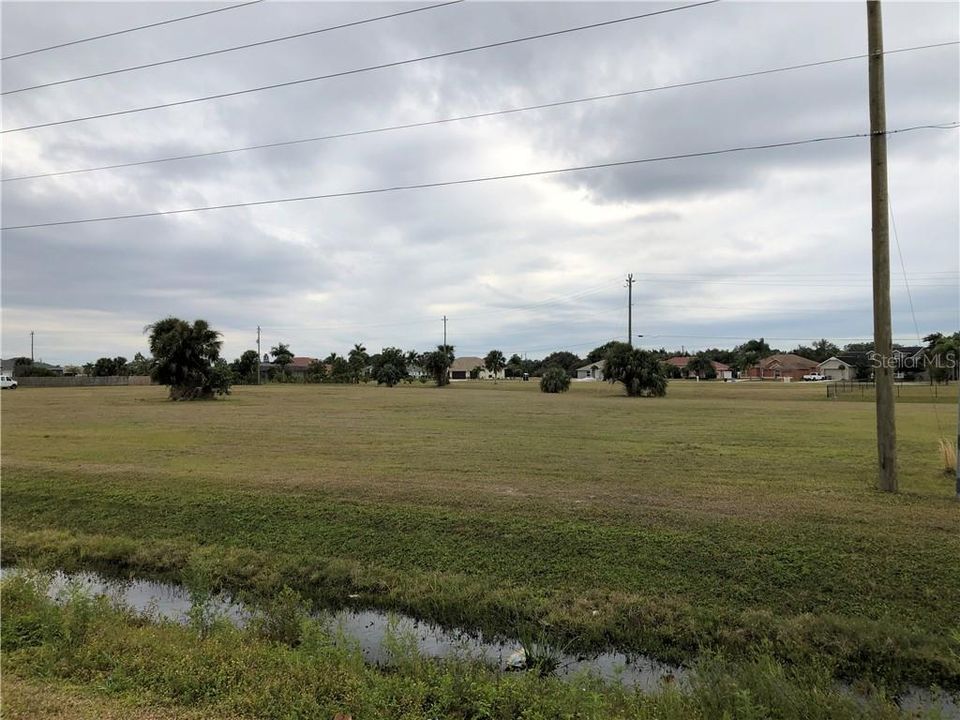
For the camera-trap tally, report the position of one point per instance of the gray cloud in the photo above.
(786, 231)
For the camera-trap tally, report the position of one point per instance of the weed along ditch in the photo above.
(375, 634)
(383, 639)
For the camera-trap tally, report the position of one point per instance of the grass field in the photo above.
(727, 516)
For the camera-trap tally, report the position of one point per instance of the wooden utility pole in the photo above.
(882, 333)
(444, 333)
(630, 309)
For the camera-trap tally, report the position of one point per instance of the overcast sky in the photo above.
(773, 242)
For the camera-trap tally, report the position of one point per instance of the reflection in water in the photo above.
(371, 631)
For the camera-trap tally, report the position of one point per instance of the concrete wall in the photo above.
(82, 381)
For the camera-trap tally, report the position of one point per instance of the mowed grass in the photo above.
(723, 514)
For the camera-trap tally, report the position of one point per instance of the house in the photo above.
(910, 363)
(833, 368)
(299, 366)
(785, 366)
(462, 367)
(723, 371)
(416, 371)
(593, 371)
(9, 367)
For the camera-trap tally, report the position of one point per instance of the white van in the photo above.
(7, 382)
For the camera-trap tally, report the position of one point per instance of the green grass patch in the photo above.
(724, 516)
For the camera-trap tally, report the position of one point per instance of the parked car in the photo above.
(814, 377)
(7, 382)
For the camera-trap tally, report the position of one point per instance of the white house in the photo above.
(836, 369)
(593, 371)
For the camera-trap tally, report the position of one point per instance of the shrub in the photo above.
(554, 380)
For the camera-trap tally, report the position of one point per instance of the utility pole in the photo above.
(882, 333)
(258, 355)
(630, 309)
(31, 346)
(444, 333)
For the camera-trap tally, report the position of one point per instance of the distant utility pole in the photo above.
(882, 333)
(258, 355)
(31, 346)
(444, 332)
(630, 309)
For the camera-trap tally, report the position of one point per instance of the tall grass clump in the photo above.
(948, 456)
(200, 579)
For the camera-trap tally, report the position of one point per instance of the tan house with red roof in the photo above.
(785, 366)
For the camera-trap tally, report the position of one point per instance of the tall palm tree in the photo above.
(358, 360)
(282, 356)
(494, 362)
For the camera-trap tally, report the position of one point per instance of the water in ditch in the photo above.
(370, 629)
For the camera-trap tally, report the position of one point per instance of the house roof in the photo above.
(787, 361)
(853, 358)
(599, 364)
(910, 351)
(833, 359)
(301, 362)
(681, 361)
(466, 363)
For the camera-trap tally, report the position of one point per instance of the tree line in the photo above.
(186, 357)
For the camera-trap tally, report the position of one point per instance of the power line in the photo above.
(929, 282)
(368, 68)
(229, 49)
(130, 30)
(766, 337)
(474, 116)
(913, 312)
(789, 275)
(469, 181)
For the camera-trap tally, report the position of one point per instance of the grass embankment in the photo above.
(101, 661)
(730, 516)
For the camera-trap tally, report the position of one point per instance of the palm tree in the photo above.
(358, 360)
(943, 356)
(494, 362)
(701, 366)
(187, 358)
(641, 372)
(282, 356)
(438, 363)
